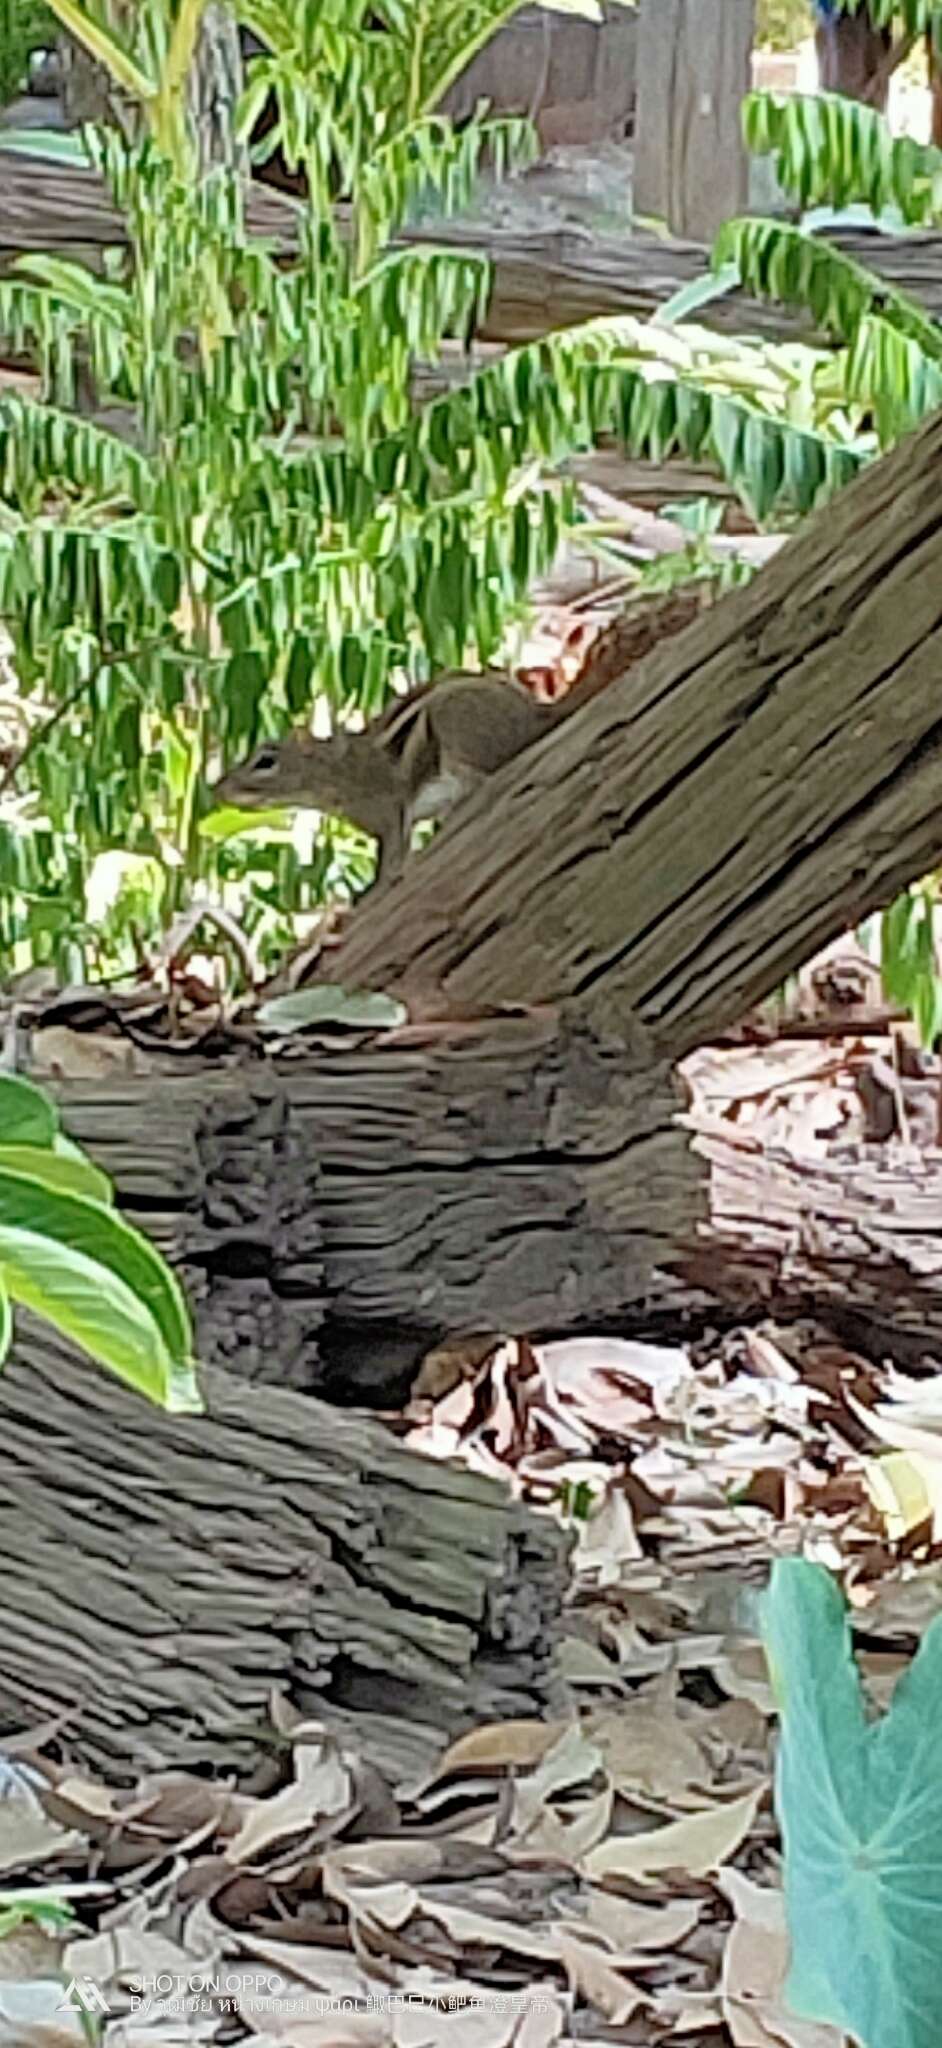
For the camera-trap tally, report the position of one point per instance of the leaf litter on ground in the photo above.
(613, 1874)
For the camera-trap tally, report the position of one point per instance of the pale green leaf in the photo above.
(64, 1169)
(48, 143)
(99, 1234)
(859, 1803)
(89, 1304)
(327, 1004)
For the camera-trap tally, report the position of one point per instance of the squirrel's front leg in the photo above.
(392, 846)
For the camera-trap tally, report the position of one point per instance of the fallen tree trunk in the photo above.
(334, 1222)
(761, 781)
(543, 278)
(633, 883)
(163, 1576)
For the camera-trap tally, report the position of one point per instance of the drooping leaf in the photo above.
(89, 1228)
(57, 1168)
(90, 1304)
(831, 150)
(776, 260)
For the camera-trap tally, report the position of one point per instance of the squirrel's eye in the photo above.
(265, 759)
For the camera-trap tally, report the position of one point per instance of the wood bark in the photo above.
(543, 279)
(162, 1576)
(691, 168)
(764, 779)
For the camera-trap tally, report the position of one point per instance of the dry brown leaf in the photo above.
(754, 1968)
(569, 1834)
(94, 1802)
(131, 1955)
(697, 1845)
(608, 1540)
(322, 1791)
(905, 1488)
(27, 1835)
(499, 1745)
(383, 1862)
(593, 1978)
(649, 1753)
(634, 1930)
(743, 1673)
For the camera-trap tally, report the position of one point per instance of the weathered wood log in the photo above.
(646, 874)
(542, 279)
(855, 1239)
(163, 1575)
(761, 781)
(514, 1177)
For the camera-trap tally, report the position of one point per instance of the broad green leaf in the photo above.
(98, 1234)
(859, 1803)
(27, 1117)
(329, 1004)
(67, 1150)
(89, 1303)
(55, 1168)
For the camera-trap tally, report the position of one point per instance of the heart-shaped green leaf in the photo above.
(859, 1802)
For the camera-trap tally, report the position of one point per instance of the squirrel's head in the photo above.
(298, 769)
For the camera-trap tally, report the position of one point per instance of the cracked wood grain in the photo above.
(757, 784)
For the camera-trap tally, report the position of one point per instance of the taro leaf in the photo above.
(330, 1004)
(27, 1117)
(859, 1802)
(93, 1306)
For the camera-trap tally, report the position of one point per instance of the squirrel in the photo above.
(427, 750)
(415, 761)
